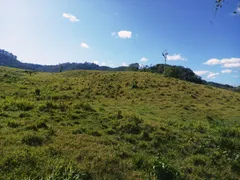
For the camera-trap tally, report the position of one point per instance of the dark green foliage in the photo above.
(133, 67)
(18, 105)
(42, 125)
(33, 140)
(13, 124)
(236, 166)
(182, 73)
(163, 171)
(131, 125)
(139, 160)
(85, 107)
(134, 85)
(119, 115)
(37, 92)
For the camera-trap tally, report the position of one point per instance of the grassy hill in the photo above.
(116, 125)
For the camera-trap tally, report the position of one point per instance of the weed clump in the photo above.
(13, 124)
(33, 140)
(18, 105)
(37, 92)
(68, 172)
(85, 107)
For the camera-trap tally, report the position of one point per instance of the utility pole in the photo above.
(165, 54)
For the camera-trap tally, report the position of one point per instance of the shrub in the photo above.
(236, 167)
(22, 115)
(47, 106)
(230, 133)
(85, 107)
(42, 125)
(19, 105)
(130, 128)
(138, 160)
(33, 140)
(13, 124)
(37, 92)
(3, 114)
(162, 171)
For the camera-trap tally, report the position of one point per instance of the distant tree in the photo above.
(60, 68)
(134, 67)
(182, 73)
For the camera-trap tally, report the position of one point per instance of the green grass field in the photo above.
(116, 125)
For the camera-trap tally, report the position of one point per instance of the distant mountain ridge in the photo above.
(10, 60)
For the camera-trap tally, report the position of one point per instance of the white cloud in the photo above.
(96, 62)
(103, 64)
(200, 73)
(226, 71)
(113, 33)
(236, 76)
(124, 64)
(124, 34)
(232, 65)
(143, 59)
(213, 61)
(84, 45)
(238, 10)
(71, 17)
(175, 57)
(227, 63)
(212, 75)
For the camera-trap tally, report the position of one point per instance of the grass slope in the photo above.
(116, 125)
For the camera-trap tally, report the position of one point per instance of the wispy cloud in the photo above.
(71, 17)
(143, 59)
(227, 62)
(123, 34)
(96, 62)
(226, 71)
(232, 65)
(103, 64)
(84, 45)
(124, 64)
(200, 73)
(175, 57)
(212, 75)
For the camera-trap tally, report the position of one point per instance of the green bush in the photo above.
(162, 171)
(13, 124)
(18, 105)
(37, 92)
(33, 140)
(85, 107)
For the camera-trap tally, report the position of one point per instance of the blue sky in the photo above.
(115, 33)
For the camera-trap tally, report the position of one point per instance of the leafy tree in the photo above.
(60, 68)
(133, 67)
(219, 4)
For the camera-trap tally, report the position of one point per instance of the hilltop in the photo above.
(116, 125)
(10, 60)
